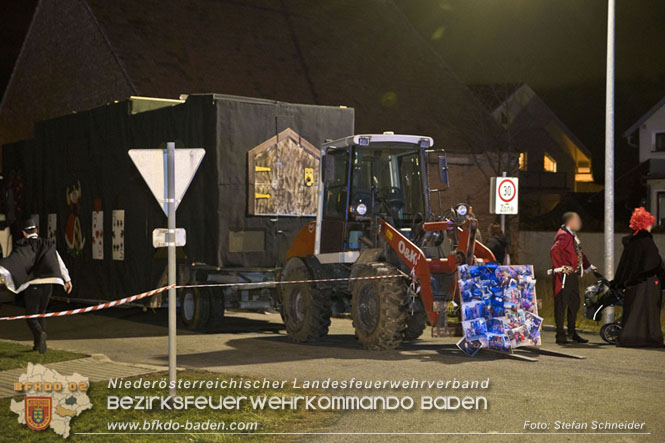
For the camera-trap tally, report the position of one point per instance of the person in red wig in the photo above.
(639, 274)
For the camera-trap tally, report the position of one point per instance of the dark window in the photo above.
(660, 141)
(336, 172)
(660, 212)
(394, 174)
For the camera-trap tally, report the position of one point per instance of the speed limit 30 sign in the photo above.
(503, 195)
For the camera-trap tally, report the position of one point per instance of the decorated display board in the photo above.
(499, 309)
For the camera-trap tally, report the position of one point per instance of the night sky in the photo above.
(556, 46)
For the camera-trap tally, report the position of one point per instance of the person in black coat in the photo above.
(497, 243)
(639, 275)
(32, 268)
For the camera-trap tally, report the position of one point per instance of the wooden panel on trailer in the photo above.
(283, 175)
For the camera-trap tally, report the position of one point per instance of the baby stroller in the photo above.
(599, 296)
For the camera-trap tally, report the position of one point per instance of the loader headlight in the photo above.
(361, 209)
(462, 210)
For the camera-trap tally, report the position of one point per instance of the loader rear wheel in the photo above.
(416, 322)
(194, 308)
(306, 309)
(379, 308)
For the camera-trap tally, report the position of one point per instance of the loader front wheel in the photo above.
(306, 309)
(379, 308)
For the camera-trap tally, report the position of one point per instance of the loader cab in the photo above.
(365, 176)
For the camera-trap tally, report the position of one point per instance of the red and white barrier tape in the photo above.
(122, 301)
(110, 304)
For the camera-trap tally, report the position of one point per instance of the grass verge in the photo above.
(14, 355)
(97, 418)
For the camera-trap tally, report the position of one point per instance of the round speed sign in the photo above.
(507, 190)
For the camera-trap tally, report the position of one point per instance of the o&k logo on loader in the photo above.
(409, 254)
(38, 412)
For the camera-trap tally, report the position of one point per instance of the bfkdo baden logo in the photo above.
(51, 399)
(38, 412)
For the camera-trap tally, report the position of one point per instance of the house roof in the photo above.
(644, 118)
(494, 96)
(365, 55)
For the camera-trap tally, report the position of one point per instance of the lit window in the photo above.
(522, 161)
(584, 167)
(549, 164)
(584, 177)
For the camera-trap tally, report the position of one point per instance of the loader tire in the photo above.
(415, 323)
(194, 309)
(306, 309)
(379, 308)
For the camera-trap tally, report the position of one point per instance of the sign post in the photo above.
(168, 174)
(503, 197)
(170, 168)
(503, 216)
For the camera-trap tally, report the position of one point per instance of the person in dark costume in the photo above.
(569, 263)
(639, 275)
(32, 268)
(498, 243)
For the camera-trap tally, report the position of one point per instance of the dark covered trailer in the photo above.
(256, 187)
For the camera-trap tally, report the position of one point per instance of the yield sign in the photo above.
(152, 165)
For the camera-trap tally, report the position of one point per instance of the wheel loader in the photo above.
(374, 220)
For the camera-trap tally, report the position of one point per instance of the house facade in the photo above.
(552, 161)
(648, 135)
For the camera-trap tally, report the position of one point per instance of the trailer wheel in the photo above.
(216, 309)
(194, 308)
(306, 309)
(416, 322)
(379, 308)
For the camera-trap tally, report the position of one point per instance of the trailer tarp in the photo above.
(78, 166)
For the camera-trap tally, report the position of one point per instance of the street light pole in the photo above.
(608, 314)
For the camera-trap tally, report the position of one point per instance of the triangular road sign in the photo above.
(151, 163)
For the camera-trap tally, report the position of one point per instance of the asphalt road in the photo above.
(611, 384)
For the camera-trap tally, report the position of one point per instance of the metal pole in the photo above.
(503, 216)
(608, 314)
(170, 160)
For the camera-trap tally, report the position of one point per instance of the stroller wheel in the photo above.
(610, 333)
